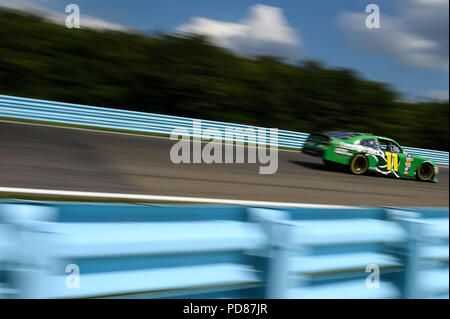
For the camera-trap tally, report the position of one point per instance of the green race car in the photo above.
(363, 153)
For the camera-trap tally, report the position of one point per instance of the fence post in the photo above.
(31, 263)
(410, 221)
(277, 229)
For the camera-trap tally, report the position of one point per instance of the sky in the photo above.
(408, 51)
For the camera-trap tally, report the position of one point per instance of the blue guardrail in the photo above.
(81, 250)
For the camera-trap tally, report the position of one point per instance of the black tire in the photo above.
(359, 164)
(425, 172)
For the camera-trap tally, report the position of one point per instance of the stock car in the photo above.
(362, 153)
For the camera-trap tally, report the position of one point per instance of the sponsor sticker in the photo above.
(359, 148)
(409, 159)
(342, 151)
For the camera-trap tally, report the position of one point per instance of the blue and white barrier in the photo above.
(83, 115)
(211, 251)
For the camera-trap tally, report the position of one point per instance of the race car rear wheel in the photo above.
(425, 172)
(359, 164)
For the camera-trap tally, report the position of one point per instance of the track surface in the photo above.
(35, 156)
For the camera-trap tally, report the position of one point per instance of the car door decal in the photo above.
(392, 161)
(408, 163)
(389, 162)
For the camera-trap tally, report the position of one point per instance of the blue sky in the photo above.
(409, 51)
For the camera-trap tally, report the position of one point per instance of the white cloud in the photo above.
(440, 95)
(37, 7)
(264, 31)
(417, 37)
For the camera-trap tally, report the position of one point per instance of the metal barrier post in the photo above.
(274, 224)
(31, 258)
(410, 221)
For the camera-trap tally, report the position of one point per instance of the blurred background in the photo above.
(301, 67)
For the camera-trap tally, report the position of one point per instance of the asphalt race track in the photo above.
(44, 157)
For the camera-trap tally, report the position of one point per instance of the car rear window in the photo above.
(344, 135)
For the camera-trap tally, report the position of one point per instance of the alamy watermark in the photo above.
(373, 19)
(373, 279)
(73, 279)
(226, 146)
(73, 17)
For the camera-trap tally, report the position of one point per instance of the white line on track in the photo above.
(160, 198)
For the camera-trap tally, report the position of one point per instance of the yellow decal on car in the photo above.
(392, 160)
